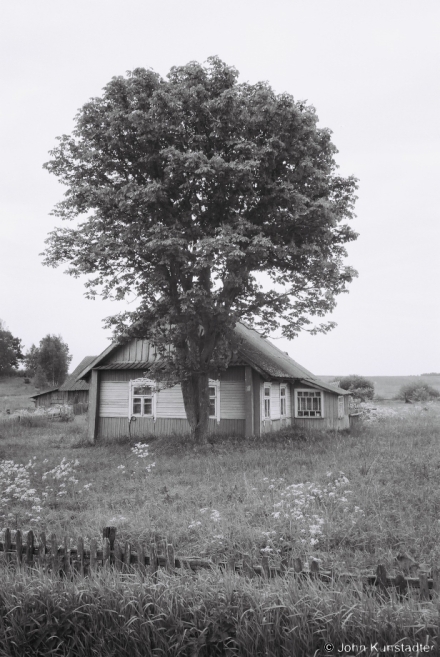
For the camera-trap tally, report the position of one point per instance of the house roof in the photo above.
(72, 383)
(254, 349)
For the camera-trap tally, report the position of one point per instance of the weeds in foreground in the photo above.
(205, 615)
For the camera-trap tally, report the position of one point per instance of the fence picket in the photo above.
(54, 553)
(80, 555)
(7, 545)
(30, 541)
(19, 547)
(66, 556)
(42, 549)
(93, 555)
(63, 560)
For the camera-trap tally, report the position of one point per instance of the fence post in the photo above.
(297, 565)
(30, 541)
(54, 553)
(7, 547)
(424, 588)
(93, 556)
(66, 556)
(140, 557)
(105, 552)
(381, 578)
(127, 556)
(248, 570)
(436, 579)
(171, 556)
(314, 568)
(110, 533)
(153, 560)
(42, 549)
(80, 555)
(265, 566)
(19, 547)
(118, 557)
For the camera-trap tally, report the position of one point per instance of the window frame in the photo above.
(216, 397)
(283, 398)
(309, 417)
(134, 383)
(341, 402)
(267, 386)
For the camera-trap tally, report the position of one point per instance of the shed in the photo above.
(263, 390)
(72, 391)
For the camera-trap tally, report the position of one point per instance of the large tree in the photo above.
(53, 359)
(10, 351)
(183, 191)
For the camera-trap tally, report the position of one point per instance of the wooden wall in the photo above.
(330, 419)
(118, 427)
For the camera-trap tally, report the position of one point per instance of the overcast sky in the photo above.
(371, 69)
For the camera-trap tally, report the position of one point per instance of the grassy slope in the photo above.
(393, 468)
(15, 393)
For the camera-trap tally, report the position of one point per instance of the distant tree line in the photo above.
(47, 364)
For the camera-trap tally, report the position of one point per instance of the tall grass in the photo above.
(205, 615)
(223, 499)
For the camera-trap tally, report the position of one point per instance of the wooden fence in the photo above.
(65, 560)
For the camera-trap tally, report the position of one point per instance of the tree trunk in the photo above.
(195, 390)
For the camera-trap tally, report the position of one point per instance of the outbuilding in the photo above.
(263, 390)
(73, 391)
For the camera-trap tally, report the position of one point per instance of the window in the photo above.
(283, 401)
(214, 399)
(341, 411)
(308, 403)
(266, 409)
(142, 398)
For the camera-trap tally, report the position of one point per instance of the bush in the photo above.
(418, 391)
(359, 386)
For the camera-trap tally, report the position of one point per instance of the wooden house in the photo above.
(72, 391)
(263, 390)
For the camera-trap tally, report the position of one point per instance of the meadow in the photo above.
(387, 387)
(352, 500)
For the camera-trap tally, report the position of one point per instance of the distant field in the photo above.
(15, 393)
(388, 386)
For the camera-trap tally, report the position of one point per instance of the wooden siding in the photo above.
(117, 427)
(133, 350)
(330, 419)
(170, 403)
(113, 399)
(232, 400)
(115, 391)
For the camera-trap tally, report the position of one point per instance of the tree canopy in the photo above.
(10, 351)
(49, 362)
(184, 191)
(359, 386)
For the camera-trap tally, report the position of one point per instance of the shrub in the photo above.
(359, 386)
(417, 391)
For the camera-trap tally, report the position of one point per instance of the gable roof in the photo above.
(257, 351)
(72, 383)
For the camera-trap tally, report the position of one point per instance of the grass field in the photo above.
(351, 500)
(15, 393)
(388, 386)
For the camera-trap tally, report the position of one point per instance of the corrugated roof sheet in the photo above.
(71, 383)
(125, 365)
(44, 392)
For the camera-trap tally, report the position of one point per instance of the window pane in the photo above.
(212, 408)
(267, 408)
(137, 406)
(267, 392)
(148, 406)
(212, 391)
(283, 392)
(143, 390)
(309, 403)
